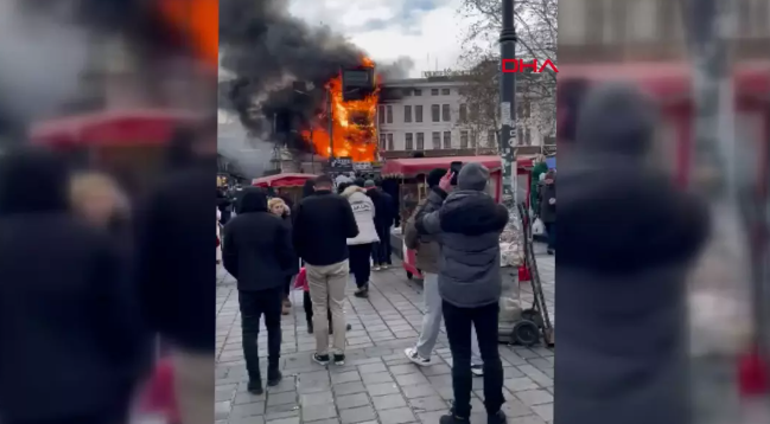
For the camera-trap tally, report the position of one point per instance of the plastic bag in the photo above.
(538, 228)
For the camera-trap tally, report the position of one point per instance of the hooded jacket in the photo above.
(547, 210)
(257, 245)
(364, 213)
(468, 226)
(72, 328)
(627, 239)
(384, 211)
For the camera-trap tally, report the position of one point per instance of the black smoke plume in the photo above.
(279, 66)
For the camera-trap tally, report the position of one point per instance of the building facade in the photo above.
(430, 115)
(650, 30)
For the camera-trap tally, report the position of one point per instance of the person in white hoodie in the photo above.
(360, 247)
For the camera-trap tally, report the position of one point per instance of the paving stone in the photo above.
(248, 410)
(534, 397)
(352, 401)
(378, 377)
(291, 420)
(391, 401)
(428, 404)
(420, 390)
(397, 416)
(372, 368)
(345, 377)
(520, 384)
(544, 411)
(357, 415)
(529, 419)
(313, 399)
(403, 369)
(281, 398)
(413, 379)
(348, 388)
(318, 412)
(380, 389)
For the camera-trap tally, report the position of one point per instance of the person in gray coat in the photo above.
(467, 224)
(627, 241)
(548, 208)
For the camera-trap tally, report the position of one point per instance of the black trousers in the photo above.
(458, 323)
(253, 305)
(307, 304)
(550, 230)
(381, 251)
(360, 263)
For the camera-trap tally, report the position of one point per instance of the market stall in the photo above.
(286, 185)
(129, 144)
(410, 174)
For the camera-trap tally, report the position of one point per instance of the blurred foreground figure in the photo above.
(627, 240)
(173, 246)
(69, 321)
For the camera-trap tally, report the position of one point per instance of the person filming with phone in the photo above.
(467, 224)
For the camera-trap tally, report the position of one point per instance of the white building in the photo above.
(429, 114)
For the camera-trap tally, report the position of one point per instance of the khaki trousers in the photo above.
(194, 386)
(327, 289)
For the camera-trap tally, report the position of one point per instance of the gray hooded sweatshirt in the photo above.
(467, 224)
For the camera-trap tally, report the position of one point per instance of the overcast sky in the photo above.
(387, 29)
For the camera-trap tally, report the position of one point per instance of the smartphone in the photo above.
(455, 168)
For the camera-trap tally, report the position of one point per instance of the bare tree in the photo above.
(536, 26)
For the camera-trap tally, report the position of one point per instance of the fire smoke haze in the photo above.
(265, 49)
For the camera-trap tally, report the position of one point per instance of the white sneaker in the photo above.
(412, 355)
(477, 370)
(377, 268)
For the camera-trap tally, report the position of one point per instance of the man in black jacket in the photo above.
(322, 224)
(71, 329)
(257, 252)
(383, 219)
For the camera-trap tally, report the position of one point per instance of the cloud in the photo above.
(429, 32)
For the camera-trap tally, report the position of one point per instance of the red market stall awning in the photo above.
(283, 180)
(142, 126)
(671, 79)
(411, 167)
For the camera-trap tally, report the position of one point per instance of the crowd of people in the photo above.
(341, 228)
(92, 276)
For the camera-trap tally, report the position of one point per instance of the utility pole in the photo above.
(507, 141)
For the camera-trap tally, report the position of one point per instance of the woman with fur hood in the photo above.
(360, 247)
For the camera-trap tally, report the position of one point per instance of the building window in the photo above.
(390, 114)
(436, 140)
(491, 136)
(447, 139)
(474, 112)
(391, 147)
(434, 92)
(407, 91)
(435, 111)
(418, 113)
(463, 139)
(417, 92)
(520, 136)
(463, 112)
(474, 139)
(527, 137)
(462, 91)
(445, 92)
(420, 141)
(381, 112)
(445, 115)
(408, 141)
(407, 113)
(383, 145)
(523, 110)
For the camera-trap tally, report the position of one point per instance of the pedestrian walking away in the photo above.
(468, 224)
(361, 245)
(257, 251)
(279, 208)
(548, 208)
(427, 251)
(323, 223)
(384, 217)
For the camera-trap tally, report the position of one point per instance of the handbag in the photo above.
(538, 228)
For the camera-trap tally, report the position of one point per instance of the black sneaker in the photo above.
(255, 387)
(362, 292)
(274, 377)
(339, 359)
(451, 418)
(348, 327)
(321, 359)
(310, 327)
(498, 418)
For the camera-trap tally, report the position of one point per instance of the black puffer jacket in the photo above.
(257, 247)
(72, 328)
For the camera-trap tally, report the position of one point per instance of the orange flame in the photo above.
(354, 133)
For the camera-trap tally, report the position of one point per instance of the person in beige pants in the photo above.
(323, 222)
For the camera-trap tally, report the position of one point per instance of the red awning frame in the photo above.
(283, 180)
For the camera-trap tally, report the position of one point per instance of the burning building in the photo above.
(347, 125)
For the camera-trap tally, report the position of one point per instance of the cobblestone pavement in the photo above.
(377, 384)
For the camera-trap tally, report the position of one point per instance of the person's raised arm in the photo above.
(427, 219)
